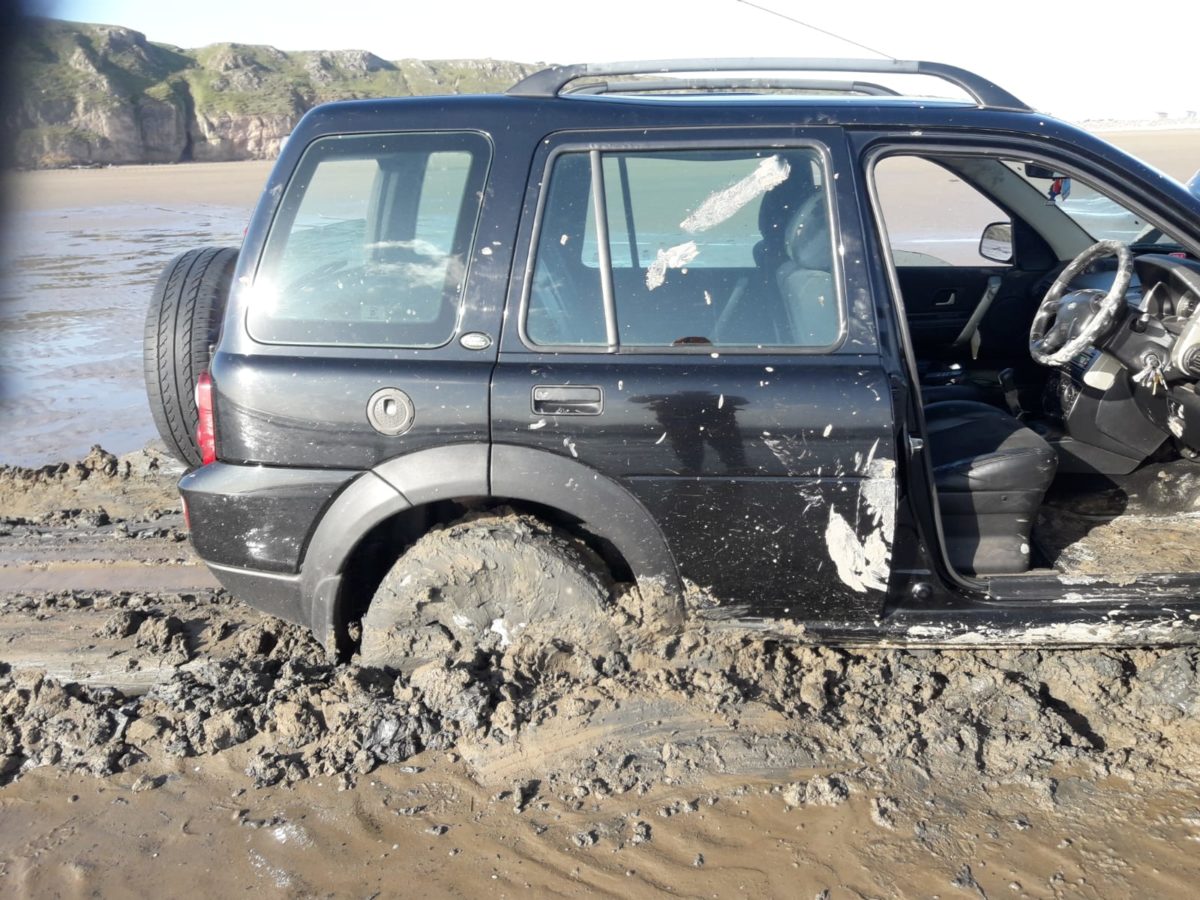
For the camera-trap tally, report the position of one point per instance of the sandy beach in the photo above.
(235, 184)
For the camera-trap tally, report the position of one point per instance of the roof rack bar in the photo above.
(550, 82)
(666, 85)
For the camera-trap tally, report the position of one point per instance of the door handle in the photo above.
(945, 298)
(567, 400)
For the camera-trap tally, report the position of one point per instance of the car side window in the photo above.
(370, 243)
(706, 248)
(933, 217)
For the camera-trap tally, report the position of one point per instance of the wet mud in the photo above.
(705, 761)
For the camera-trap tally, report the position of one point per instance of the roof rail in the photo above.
(667, 85)
(551, 82)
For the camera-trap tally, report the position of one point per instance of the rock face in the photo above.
(105, 94)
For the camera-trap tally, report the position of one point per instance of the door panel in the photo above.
(744, 461)
(770, 473)
(939, 301)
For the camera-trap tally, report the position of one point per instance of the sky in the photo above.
(1072, 58)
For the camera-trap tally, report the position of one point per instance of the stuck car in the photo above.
(788, 352)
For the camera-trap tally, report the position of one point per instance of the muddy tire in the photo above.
(496, 582)
(182, 325)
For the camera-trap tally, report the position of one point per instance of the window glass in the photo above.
(566, 305)
(663, 192)
(1102, 217)
(370, 243)
(720, 248)
(933, 217)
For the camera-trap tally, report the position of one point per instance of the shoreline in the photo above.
(1092, 126)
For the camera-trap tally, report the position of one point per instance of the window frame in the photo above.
(579, 144)
(285, 215)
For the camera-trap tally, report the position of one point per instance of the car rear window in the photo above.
(371, 242)
(728, 248)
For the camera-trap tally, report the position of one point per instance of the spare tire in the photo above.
(182, 325)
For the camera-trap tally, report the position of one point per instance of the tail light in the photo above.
(206, 433)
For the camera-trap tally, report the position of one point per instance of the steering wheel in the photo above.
(1050, 340)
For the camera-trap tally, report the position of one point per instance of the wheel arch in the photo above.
(364, 530)
(602, 505)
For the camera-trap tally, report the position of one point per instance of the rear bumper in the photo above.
(278, 595)
(252, 526)
(258, 517)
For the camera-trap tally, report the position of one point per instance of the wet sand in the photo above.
(75, 836)
(210, 184)
(81, 255)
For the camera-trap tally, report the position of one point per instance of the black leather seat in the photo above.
(991, 474)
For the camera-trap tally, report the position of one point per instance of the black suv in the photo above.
(784, 351)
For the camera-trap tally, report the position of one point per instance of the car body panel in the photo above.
(744, 512)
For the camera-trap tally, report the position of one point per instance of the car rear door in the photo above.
(692, 322)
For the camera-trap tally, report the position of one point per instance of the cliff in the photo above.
(105, 94)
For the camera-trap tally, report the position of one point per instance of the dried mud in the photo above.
(659, 761)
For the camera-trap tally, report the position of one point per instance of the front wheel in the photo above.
(497, 581)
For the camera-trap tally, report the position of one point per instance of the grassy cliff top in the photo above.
(64, 60)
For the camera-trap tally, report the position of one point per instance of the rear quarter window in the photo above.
(371, 242)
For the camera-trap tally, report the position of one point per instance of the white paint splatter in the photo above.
(928, 631)
(540, 423)
(828, 430)
(570, 445)
(862, 565)
(879, 494)
(788, 450)
(725, 203)
(672, 258)
(1070, 597)
(1071, 633)
(662, 437)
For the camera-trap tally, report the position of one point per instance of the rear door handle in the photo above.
(945, 298)
(567, 400)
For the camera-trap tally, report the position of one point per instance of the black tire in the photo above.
(182, 325)
(497, 581)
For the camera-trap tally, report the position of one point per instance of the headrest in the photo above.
(778, 202)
